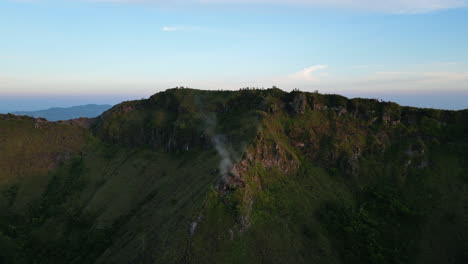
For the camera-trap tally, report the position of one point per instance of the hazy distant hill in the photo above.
(59, 113)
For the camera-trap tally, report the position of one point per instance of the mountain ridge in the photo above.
(67, 113)
(249, 176)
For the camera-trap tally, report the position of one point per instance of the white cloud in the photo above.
(168, 29)
(307, 74)
(404, 80)
(388, 6)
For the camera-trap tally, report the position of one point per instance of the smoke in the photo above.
(193, 227)
(226, 154)
(226, 163)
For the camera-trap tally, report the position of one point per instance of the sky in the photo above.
(57, 53)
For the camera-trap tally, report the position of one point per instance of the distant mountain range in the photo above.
(59, 113)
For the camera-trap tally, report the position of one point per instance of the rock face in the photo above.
(299, 102)
(40, 122)
(251, 176)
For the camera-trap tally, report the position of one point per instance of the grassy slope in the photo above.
(29, 149)
(322, 186)
(106, 196)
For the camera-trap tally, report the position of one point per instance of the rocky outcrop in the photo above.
(299, 102)
(40, 122)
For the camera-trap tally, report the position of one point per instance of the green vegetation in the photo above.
(315, 179)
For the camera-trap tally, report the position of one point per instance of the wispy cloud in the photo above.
(393, 6)
(182, 28)
(169, 29)
(375, 80)
(416, 78)
(388, 6)
(307, 74)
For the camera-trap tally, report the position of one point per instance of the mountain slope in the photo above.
(248, 176)
(67, 113)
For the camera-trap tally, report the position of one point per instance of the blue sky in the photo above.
(68, 52)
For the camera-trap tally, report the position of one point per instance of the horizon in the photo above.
(11, 104)
(68, 53)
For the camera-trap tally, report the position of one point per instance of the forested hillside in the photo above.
(249, 176)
